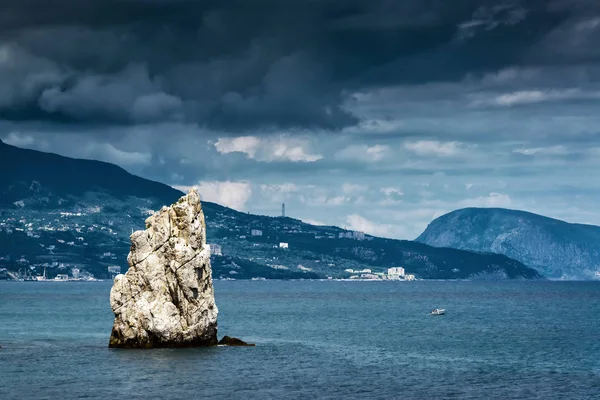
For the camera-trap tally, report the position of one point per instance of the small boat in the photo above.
(438, 311)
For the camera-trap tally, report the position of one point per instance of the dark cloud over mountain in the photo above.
(375, 114)
(236, 65)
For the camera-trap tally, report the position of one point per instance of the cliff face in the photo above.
(166, 298)
(555, 248)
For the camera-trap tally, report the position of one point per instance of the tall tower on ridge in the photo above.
(283, 210)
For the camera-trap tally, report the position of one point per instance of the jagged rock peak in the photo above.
(166, 298)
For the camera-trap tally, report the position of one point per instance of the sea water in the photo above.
(498, 340)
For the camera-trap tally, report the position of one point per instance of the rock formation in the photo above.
(231, 341)
(166, 298)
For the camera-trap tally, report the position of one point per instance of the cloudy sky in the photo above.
(376, 115)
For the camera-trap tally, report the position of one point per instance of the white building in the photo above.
(355, 235)
(395, 273)
(256, 232)
(283, 245)
(215, 249)
(368, 276)
(114, 270)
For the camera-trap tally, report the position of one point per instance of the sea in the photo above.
(315, 340)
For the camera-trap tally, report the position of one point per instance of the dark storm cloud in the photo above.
(236, 65)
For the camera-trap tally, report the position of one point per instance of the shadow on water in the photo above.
(142, 356)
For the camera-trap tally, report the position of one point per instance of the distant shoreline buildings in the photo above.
(393, 274)
(355, 235)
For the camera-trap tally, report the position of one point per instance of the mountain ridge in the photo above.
(555, 248)
(68, 213)
(76, 175)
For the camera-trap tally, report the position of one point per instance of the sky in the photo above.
(376, 115)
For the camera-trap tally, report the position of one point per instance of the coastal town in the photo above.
(86, 243)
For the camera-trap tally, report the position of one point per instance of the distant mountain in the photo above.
(63, 213)
(555, 248)
(49, 180)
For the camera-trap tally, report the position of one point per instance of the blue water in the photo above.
(508, 340)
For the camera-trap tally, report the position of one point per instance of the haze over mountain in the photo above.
(555, 248)
(63, 213)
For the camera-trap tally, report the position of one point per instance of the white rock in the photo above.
(166, 298)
